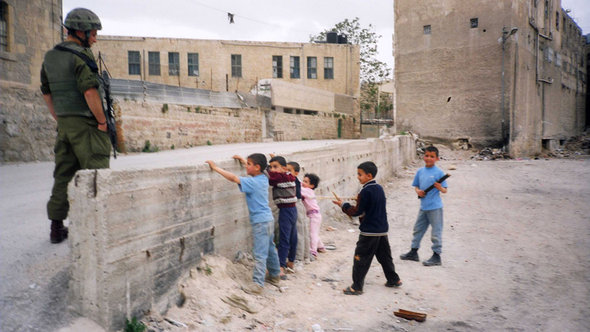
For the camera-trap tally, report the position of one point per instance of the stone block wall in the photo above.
(170, 126)
(135, 233)
(27, 130)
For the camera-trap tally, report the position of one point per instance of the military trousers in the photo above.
(79, 145)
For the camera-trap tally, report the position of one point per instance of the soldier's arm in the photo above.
(95, 104)
(49, 101)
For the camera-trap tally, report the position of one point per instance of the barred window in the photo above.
(173, 63)
(4, 27)
(154, 63)
(474, 22)
(134, 61)
(294, 68)
(427, 29)
(277, 66)
(193, 64)
(328, 68)
(312, 67)
(236, 65)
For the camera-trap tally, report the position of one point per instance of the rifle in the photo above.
(109, 112)
(444, 177)
(105, 80)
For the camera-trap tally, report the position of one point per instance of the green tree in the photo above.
(372, 71)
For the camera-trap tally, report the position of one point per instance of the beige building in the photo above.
(225, 65)
(492, 72)
(27, 30)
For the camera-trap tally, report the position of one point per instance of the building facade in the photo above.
(225, 65)
(27, 30)
(493, 72)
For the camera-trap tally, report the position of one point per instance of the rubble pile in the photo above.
(574, 147)
(491, 154)
(579, 145)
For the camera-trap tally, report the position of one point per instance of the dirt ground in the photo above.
(516, 257)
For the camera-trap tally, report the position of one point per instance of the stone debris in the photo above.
(574, 147)
(491, 154)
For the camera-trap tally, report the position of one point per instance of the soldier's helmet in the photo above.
(82, 19)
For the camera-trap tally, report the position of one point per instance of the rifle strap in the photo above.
(91, 63)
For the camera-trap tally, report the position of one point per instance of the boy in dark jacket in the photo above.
(284, 194)
(373, 240)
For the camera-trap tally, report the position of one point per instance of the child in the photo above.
(310, 182)
(256, 189)
(431, 208)
(373, 241)
(302, 224)
(284, 195)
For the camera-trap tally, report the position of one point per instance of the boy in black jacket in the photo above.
(373, 240)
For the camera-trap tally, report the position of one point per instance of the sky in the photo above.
(257, 20)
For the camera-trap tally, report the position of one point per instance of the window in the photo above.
(4, 27)
(474, 22)
(236, 65)
(557, 21)
(277, 66)
(154, 63)
(173, 64)
(193, 64)
(134, 62)
(328, 68)
(294, 68)
(427, 29)
(312, 67)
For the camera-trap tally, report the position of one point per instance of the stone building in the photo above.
(311, 89)
(492, 72)
(27, 30)
(287, 91)
(226, 65)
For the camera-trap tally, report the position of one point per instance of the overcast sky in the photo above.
(257, 20)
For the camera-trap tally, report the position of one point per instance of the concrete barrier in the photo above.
(135, 233)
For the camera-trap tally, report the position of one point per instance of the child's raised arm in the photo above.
(228, 175)
(240, 159)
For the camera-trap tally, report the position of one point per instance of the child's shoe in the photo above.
(275, 281)
(434, 260)
(411, 255)
(253, 289)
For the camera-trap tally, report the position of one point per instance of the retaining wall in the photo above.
(135, 233)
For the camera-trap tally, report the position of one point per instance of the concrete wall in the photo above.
(27, 130)
(135, 233)
(449, 83)
(215, 62)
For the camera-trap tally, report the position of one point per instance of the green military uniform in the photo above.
(79, 144)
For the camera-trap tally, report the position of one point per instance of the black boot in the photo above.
(434, 260)
(58, 231)
(411, 255)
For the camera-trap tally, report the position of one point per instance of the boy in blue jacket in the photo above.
(373, 240)
(431, 208)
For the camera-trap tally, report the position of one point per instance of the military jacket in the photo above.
(66, 77)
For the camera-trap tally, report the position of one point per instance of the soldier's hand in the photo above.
(102, 127)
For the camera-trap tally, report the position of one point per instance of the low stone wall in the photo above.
(171, 126)
(135, 233)
(27, 130)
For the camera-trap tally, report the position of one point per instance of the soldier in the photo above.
(71, 90)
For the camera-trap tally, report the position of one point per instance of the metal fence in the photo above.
(147, 91)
